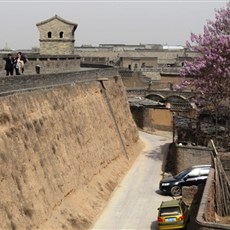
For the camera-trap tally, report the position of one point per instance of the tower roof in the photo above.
(60, 19)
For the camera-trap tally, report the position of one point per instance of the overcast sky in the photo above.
(106, 22)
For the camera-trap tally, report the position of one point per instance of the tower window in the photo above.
(49, 34)
(61, 34)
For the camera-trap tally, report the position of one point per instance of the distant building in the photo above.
(56, 36)
(6, 49)
(169, 47)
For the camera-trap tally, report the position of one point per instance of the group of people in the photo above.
(16, 64)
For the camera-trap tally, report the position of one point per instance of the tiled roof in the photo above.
(59, 18)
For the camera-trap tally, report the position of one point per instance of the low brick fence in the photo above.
(206, 214)
(192, 155)
(183, 156)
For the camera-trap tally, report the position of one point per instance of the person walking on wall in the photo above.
(20, 63)
(9, 66)
(24, 59)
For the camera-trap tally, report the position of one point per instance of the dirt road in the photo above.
(134, 203)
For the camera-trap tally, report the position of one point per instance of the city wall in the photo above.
(30, 82)
(58, 165)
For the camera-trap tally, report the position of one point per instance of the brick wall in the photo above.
(181, 157)
(47, 63)
(206, 214)
(56, 47)
(191, 155)
(150, 119)
(31, 82)
(157, 119)
(55, 44)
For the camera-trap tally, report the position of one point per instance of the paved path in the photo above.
(134, 203)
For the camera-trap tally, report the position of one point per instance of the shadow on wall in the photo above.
(171, 160)
(138, 116)
(195, 204)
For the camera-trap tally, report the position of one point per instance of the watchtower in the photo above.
(56, 36)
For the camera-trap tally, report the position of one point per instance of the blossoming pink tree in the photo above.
(209, 72)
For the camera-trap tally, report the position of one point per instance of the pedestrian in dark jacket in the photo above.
(9, 66)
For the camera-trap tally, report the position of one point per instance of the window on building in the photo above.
(49, 34)
(61, 34)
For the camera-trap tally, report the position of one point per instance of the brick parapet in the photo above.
(47, 63)
(30, 82)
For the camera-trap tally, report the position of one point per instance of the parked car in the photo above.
(173, 214)
(194, 175)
